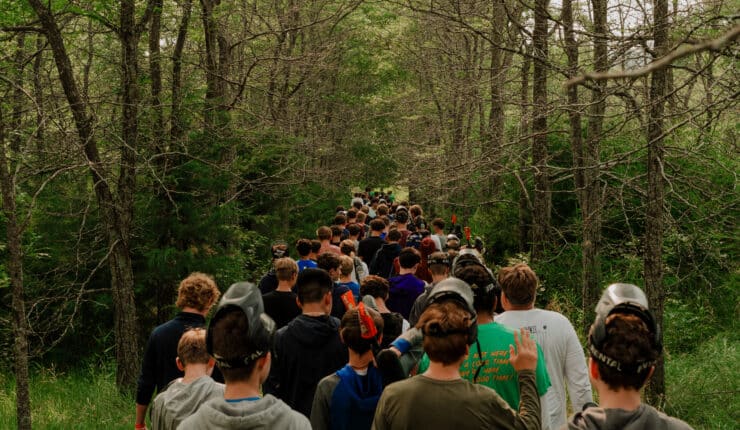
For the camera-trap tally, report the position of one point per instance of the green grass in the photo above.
(85, 399)
(703, 389)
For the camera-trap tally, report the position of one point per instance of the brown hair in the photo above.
(443, 318)
(382, 209)
(285, 268)
(415, 211)
(328, 261)
(628, 342)
(347, 264)
(375, 286)
(351, 333)
(519, 283)
(347, 246)
(315, 246)
(197, 291)
(393, 236)
(323, 233)
(192, 347)
(230, 341)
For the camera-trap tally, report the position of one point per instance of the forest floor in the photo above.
(703, 389)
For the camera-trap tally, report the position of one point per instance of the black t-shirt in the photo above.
(368, 247)
(281, 306)
(392, 328)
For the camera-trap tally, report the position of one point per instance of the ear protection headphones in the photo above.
(438, 259)
(244, 297)
(460, 292)
(622, 299)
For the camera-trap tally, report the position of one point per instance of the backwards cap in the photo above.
(622, 299)
(244, 297)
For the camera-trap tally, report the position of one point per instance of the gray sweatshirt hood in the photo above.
(644, 417)
(266, 413)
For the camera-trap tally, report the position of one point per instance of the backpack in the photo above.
(382, 264)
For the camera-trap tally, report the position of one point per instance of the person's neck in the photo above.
(194, 371)
(526, 307)
(192, 310)
(438, 278)
(443, 372)
(305, 257)
(360, 361)
(284, 286)
(485, 318)
(314, 309)
(375, 233)
(242, 389)
(345, 279)
(382, 308)
(401, 227)
(405, 271)
(623, 398)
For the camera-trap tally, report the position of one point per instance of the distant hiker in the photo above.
(338, 233)
(405, 287)
(393, 323)
(438, 234)
(239, 337)
(382, 262)
(345, 279)
(440, 398)
(195, 296)
(184, 396)
(368, 247)
(281, 304)
(309, 347)
(554, 334)
(269, 281)
(332, 265)
(618, 372)
(347, 398)
(402, 219)
(439, 267)
(303, 246)
(359, 268)
(355, 232)
(324, 234)
(315, 249)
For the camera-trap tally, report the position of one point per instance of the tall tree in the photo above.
(542, 200)
(653, 260)
(13, 236)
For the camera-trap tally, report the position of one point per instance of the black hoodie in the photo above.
(306, 350)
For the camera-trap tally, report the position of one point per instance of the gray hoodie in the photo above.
(645, 417)
(268, 412)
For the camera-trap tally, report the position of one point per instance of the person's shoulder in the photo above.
(669, 422)
(284, 417)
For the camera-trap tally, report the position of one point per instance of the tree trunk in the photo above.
(114, 219)
(177, 126)
(655, 195)
(155, 73)
(542, 204)
(524, 202)
(591, 195)
(15, 252)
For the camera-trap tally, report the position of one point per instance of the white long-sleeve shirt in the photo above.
(566, 361)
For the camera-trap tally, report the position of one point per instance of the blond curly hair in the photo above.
(197, 291)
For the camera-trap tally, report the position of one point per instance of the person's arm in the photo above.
(146, 383)
(379, 421)
(320, 418)
(272, 384)
(523, 359)
(576, 372)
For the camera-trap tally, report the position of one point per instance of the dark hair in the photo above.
(352, 213)
(438, 222)
(377, 224)
(443, 317)
(478, 278)
(393, 236)
(402, 216)
(353, 229)
(347, 246)
(336, 231)
(375, 286)
(340, 219)
(315, 245)
(519, 283)
(313, 284)
(351, 333)
(408, 258)
(629, 342)
(231, 342)
(303, 246)
(323, 233)
(415, 211)
(328, 261)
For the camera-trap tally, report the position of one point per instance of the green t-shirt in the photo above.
(496, 372)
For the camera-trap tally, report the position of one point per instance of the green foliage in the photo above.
(702, 385)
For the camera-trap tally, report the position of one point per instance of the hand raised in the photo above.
(524, 357)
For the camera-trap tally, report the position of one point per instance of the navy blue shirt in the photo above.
(158, 367)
